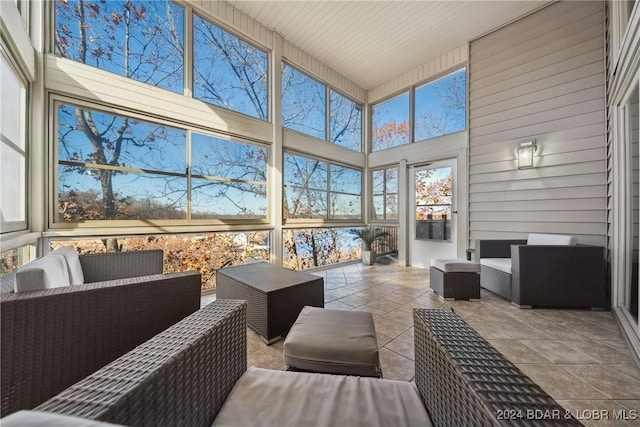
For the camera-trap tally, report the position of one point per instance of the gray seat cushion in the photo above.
(455, 265)
(263, 397)
(333, 341)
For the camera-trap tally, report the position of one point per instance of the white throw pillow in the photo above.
(76, 276)
(50, 271)
(551, 239)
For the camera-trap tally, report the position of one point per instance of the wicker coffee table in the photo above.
(275, 295)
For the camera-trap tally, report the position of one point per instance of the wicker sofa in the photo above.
(195, 374)
(52, 338)
(544, 271)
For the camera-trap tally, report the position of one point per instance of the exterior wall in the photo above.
(541, 77)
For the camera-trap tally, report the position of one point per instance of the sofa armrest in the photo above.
(180, 377)
(461, 377)
(559, 276)
(496, 248)
(55, 337)
(119, 265)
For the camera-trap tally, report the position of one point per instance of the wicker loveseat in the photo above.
(52, 338)
(546, 270)
(195, 374)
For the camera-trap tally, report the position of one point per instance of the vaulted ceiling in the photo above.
(371, 42)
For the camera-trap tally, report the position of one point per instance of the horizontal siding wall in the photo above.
(541, 77)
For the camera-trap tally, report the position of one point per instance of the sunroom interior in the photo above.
(226, 132)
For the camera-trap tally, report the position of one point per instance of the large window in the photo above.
(440, 106)
(113, 167)
(304, 109)
(13, 196)
(385, 194)
(303, 103)
(316, 189)
(142, 40)
(229, 72)
(207, 252)
(390, 123)
(345, 124)
(228, 179)
(314, 247)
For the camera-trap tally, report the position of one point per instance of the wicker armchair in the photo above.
(567, 276)
(183, 376)
(55, 337)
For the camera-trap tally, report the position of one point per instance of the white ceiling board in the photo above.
(371, 42)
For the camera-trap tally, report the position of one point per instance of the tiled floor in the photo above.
(578, 357)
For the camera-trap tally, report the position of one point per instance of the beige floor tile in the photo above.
(403, 345)
(400, 316)
(354, 300)
(382, 339)
(610, 382)
(268, 358)
(560, 384)
(517, 352)
(601, 351)
(520, 330)
(630, 404)
(490, 331)
(558, 351)
(395, 366)
(594, 331)
(338, 305)
(389, 327)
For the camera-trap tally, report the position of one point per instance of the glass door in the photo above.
(432, 224)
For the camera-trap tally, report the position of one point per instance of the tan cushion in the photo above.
(50, 271)
(76, 276)
(333, 341)
(501, 264)
(263, 397)
(455, 265)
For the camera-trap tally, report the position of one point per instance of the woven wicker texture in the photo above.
(53, 338)
(180, 377)
(271, 313)
(464, 381)
(120, 265)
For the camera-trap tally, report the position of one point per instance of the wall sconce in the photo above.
(525, 154)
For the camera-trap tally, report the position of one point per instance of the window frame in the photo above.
(422, 85)
(192, 12)
(328, 89)
(19, 226)
(325, 221)
(384, 194)
(54, 223)
(411, 91)
(186, 50)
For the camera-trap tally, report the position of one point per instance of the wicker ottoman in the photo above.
(334, 342)
(455, 278)
(275, 295)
